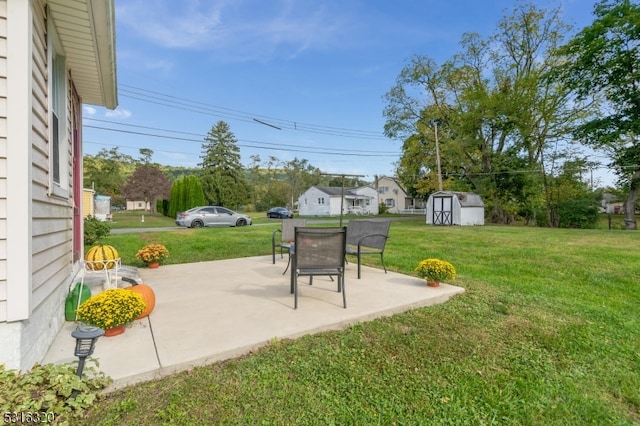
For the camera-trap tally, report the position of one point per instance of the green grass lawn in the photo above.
(547, 333)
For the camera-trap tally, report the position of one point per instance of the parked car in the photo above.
(198, 217)
(279, 213)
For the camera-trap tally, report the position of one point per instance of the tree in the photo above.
(223, 179)
(147, 183)
(301, 175)
(106, 172)
(495, 111)
(603, 60)
(186, 192)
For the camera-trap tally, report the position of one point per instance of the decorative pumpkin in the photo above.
(101, 253)
(147, 295)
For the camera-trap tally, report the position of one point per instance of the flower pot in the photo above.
(110, 332)
(433, 283)
(153, 265)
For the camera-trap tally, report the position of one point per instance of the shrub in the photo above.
(48, 390)
(95, 230)
(581, 213)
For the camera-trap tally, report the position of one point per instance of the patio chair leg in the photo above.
(288, 263)
(344, 293)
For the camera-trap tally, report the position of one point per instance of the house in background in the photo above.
(57, 54)
(138, 205)
(395, 197)
(327, 201)
(455, 208)
(88, 204)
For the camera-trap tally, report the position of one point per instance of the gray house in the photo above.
(455, 208)
(57, 55)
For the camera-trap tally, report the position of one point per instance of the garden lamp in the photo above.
(86, 337)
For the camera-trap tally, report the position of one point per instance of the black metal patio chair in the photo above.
(318, 251)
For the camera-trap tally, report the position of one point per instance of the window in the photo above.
(383, 189)
(58, 137)
(390, 202)
(321, 201)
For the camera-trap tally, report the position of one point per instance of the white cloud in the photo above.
(87, 110)
(243, 29)
(118, 113)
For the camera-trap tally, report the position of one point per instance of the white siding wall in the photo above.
(308, 204)
(3, 163)
(49, 264)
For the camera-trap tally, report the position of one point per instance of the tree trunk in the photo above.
(630, 204)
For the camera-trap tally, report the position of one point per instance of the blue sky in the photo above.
(317, 70)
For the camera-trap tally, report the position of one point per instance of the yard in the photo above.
(547, 333)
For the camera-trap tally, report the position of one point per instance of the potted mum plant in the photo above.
(152, 254)
(435, 271)
(111, 310)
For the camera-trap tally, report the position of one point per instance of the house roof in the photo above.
(86, 29)
(336, 191)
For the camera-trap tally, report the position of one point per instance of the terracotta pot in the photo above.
(110, 332)
(433, 283)
(153, 265)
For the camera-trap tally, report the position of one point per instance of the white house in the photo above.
(327, 201)
(395, 197)
(56, 55)
(455, 208)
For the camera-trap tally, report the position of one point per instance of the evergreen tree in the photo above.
(186, 192)
(223, 179)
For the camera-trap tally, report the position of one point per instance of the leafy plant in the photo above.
(152, 253)
(95, 230)
(436, 270)
(48, 390)
(111, 308)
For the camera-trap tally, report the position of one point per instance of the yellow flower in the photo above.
(111, 308)
(436, 270)
(152, 253)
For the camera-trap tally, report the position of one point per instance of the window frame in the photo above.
(59, 169)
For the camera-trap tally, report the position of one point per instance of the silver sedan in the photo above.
(198, 217)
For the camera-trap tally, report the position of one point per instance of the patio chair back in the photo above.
(286, 237)
(319, 251)
(367, 236)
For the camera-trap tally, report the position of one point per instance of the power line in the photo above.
(176, 102)
(247, 143)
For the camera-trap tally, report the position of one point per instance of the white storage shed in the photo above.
(455, 208)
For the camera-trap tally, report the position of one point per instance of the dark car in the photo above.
(198, 217)
(279, 213)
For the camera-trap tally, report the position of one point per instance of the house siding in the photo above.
(3, 160)
(24, 339)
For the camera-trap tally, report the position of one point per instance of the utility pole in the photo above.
(342, 192)
(435, 127)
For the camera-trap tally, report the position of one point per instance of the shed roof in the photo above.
(467, 199)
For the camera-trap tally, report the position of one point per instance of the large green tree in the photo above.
(495, 113)
(107, 171)
(223, 178)
(603, 61)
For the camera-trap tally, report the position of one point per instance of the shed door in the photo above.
(442, 210)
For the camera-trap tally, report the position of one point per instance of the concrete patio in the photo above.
(212, 311)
